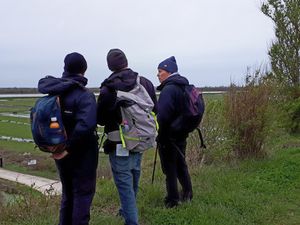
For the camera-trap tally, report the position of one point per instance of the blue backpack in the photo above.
(47, 127)
(192, 110)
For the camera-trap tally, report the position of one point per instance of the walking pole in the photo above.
(154, 164)
(201, 138)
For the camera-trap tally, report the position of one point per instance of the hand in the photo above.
(60, 155)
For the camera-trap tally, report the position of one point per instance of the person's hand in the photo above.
(60, 155)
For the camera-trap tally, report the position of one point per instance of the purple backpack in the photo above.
(192, 110)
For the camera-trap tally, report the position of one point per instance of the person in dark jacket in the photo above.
(126, 168)
(78, 163)
(172, 145)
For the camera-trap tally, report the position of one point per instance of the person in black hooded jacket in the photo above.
(78, 163)
(172, 145)
(125, 168)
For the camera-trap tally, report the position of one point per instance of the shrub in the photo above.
(292, 109)
(246, 111)
(286, 104)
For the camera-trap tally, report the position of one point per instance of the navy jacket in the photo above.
(109, 114)
(168, 109)
(78, 106)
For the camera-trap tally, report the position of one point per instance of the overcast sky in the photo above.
(214, 41)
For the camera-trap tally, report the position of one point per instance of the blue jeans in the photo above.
(126, 172)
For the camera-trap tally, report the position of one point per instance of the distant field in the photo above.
(16, 150)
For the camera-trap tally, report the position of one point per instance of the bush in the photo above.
(293, 115)
(286, 103)
(246, 111)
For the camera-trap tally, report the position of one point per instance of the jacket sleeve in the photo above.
(107, 109)
(166, 112)
(85, 117)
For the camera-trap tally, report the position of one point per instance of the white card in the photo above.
(120, 151)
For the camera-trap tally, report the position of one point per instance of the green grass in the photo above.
(20, 147)
(208, 97)
(5, 119)
(47, 170)
(16, 105)
(15, 130)
(250, 192)
(15, 156)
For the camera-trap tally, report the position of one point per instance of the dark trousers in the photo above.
(172, 156)
(78, 177)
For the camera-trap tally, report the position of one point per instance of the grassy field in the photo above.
(262, 192)
(226, 192)
(17, 154)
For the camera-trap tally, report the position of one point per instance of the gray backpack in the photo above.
(138, 127)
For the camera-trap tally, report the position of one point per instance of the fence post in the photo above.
(1, 162)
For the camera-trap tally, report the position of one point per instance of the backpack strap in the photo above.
(201, 138)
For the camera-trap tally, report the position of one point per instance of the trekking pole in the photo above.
(201, 138)
(154, 164)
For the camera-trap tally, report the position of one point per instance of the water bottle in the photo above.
(54, 124)
(125, 126)
(54, 133)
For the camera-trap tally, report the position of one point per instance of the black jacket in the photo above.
(169, 106)
(108, 112)
(79, 108)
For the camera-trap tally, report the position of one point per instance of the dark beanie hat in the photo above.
(116, 59)
(169, 65)
(75, 63)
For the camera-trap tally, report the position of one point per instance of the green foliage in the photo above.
(285, 55)
(285, 50)
(292, 119)
(286, 108)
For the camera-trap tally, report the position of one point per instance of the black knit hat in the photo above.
(75, 63)
(116, 59)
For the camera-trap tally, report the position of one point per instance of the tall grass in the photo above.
(26, 206)
(246, 113)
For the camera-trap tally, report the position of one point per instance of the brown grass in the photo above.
(246, 113)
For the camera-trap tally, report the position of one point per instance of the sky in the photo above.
(213, 41)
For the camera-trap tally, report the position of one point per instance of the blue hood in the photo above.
(174, 79)
(57, 86)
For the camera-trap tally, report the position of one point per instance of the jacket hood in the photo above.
(173, 79)
(123, 80)
(53, 85)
